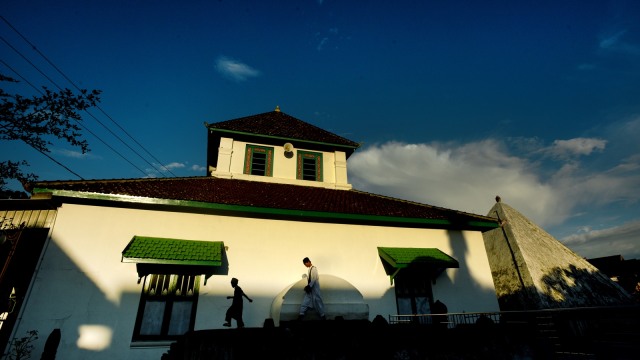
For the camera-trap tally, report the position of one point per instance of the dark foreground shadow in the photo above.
(350, 339)
(587, 333)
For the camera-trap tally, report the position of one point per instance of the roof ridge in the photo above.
(271, 124)
(62, 182)
(424, 204)
(317, 127)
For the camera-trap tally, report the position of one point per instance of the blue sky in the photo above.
(455, 102)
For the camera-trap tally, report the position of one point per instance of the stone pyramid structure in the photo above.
(532, 270)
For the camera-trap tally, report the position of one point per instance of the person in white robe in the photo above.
(312, 296)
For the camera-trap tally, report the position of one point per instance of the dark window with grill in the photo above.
(309, 166)
(167, 306)
(259, 164)
(308, 169)
(258, 160)
(413, 292)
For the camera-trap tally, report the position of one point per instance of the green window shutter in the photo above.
(309, 166)
(258, 160)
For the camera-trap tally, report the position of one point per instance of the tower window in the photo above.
(309, 166)
(258, 160)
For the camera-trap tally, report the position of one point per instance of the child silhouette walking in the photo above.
(235, 310)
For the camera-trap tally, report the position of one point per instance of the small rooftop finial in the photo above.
(498, 198)
(277, 108)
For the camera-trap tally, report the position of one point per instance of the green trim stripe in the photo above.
(318, 167)
(154, 250)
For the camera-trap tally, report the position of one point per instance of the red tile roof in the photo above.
(258, 194)
(279, 124)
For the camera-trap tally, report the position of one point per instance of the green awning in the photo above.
(153, 250)
(154, 255)
(395, 259)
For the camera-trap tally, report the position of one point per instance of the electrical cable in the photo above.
(81, 125)
(89, 113)
(40, 151)
(77, 88)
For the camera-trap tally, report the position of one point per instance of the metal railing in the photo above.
(593, 315)
(450, 319)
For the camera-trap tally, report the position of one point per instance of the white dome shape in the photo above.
(339, 296)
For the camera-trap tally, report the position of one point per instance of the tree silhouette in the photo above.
(38, 119)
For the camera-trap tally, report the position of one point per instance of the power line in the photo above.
(40, 151)
(89, 113)
(97, 106)
(81, 125)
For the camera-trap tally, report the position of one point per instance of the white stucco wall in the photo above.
(231, 157)
(283, 167)
(83, 288)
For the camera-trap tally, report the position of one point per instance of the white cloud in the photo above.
(165, 169)
(322, 42)
(575, 147)
(234, 69)
(587, 183)
(468, 176)
(197, 168)
(73, 154)
(616, 43)
(611, 41)
(623, 239)
(174, 165)
(629, 164)
(464, 177)
(162, 170)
